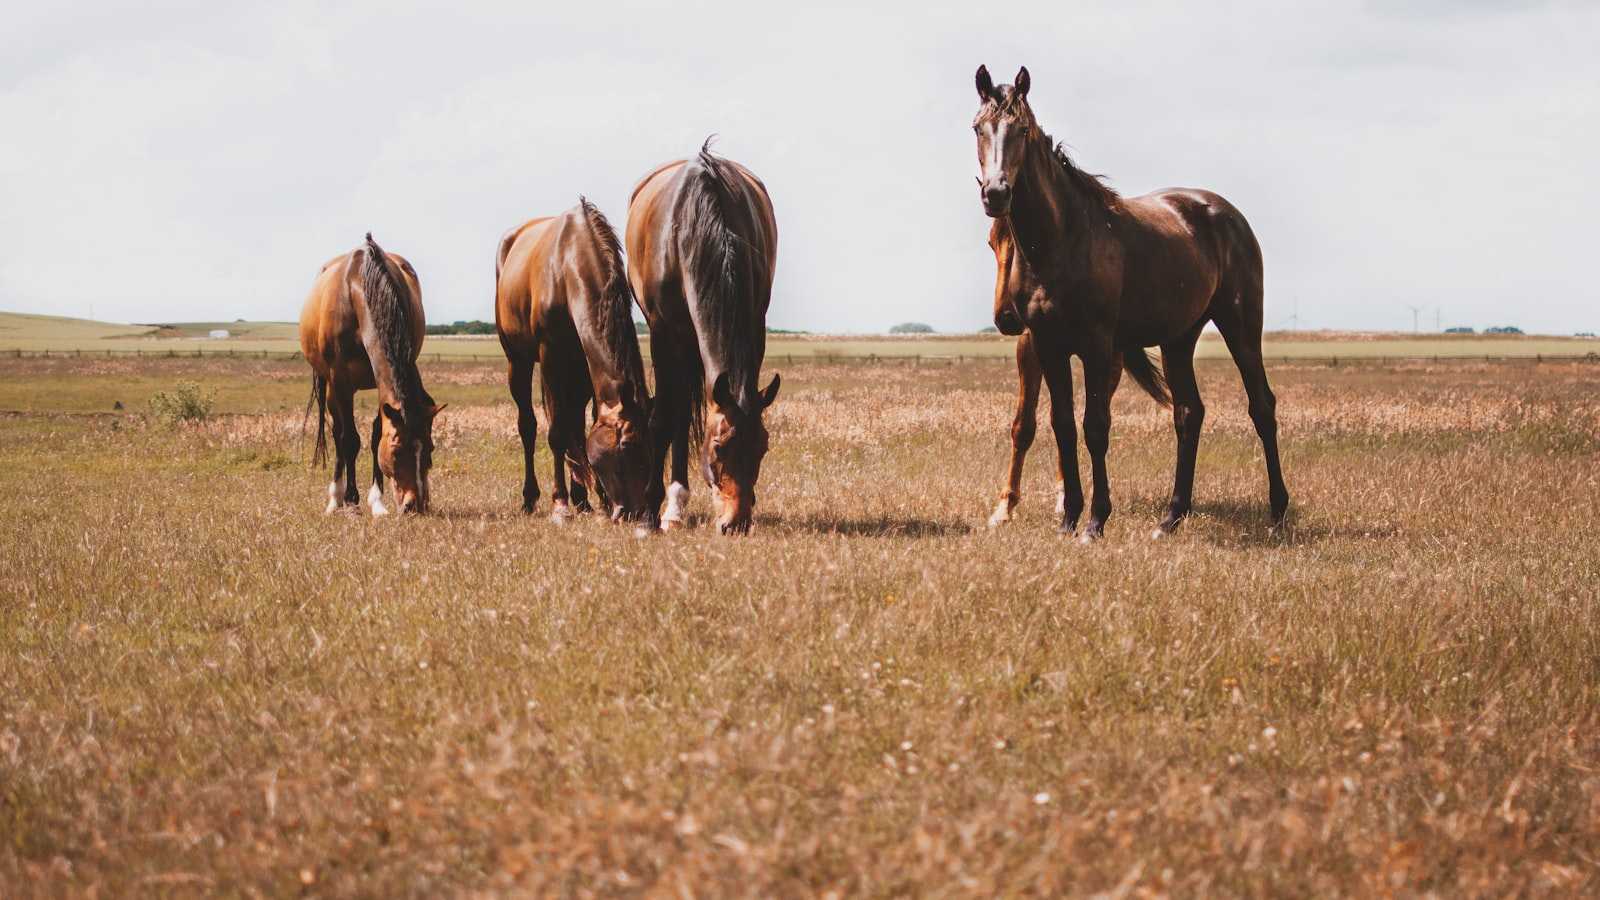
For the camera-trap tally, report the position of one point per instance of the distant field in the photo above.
(41, 334)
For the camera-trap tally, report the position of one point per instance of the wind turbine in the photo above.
(1415, 311)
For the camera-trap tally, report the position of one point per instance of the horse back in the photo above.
(333, 321)
(544, 266)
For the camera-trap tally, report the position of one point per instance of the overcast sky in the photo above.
(167, 161)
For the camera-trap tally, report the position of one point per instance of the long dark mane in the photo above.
(1092, 186)
(616, 298)
(390, 318)
(729, 273)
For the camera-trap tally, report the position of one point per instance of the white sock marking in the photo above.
(677, 499)
(335, 494)
(375, 500)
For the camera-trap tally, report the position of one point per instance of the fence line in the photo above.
(789, 359)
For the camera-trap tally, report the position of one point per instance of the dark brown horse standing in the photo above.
(703, 245)
(362, 327)
(1121, 274)
(562, 300)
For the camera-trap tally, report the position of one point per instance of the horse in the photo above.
(703, 244)
(1014, 285)
(362, 327)
(1122, 274)
(562, 300)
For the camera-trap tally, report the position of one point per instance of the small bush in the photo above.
(186, 403)
(911, 328)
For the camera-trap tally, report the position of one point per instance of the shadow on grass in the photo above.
(1246, 523)
(871, 526)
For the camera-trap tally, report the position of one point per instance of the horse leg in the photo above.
(347, 446)
(560, 439)
(1023, 426)
(520, 379)
(678, 490)
(1188, 414)
(352, 494)
(1102, 370)
(336, 486)
(375, 493)
(578, 459)
(1056, 367)
(1244, 344)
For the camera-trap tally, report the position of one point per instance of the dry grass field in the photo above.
(208, 687)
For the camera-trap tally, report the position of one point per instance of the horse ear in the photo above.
(771, 393)
(439, 408)
(985, 84)
(722, 394)
(1022, 82)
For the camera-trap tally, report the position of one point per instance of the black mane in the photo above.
(390, 316)
(616, 316)
(729, 270)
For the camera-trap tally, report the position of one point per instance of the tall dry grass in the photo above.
(208, 687)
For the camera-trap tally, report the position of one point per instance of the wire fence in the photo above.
(790, 359)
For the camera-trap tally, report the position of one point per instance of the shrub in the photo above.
(911, 328)
(186, 403)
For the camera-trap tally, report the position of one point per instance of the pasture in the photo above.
(207, 686)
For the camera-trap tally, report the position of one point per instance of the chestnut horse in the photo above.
(703, 243)
(362, 327)
(1013, 287)
(1121, 274)
(562, 300)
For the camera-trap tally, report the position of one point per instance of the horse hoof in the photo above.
(644, 532)
(1001, 516)
(1067, 528)
(1089, 536)
(1158, 534)
(375, 500)
(561, 514)
(672, 524)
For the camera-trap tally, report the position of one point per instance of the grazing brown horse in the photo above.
(703, 243)
(362, 327)
(1014, 286)
(1121, 274)
(562, 300)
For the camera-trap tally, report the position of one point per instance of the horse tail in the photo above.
(319, 457)
(726, 270)
(1138, 364)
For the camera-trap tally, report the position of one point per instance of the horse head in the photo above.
(1004, 124)
(735, 442)
(618, 448)
(405, 453)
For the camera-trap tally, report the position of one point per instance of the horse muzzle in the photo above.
(996, 198)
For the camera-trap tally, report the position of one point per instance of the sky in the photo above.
(171, 161)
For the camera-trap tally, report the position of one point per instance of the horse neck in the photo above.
(1051, 218)
(615, 374)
